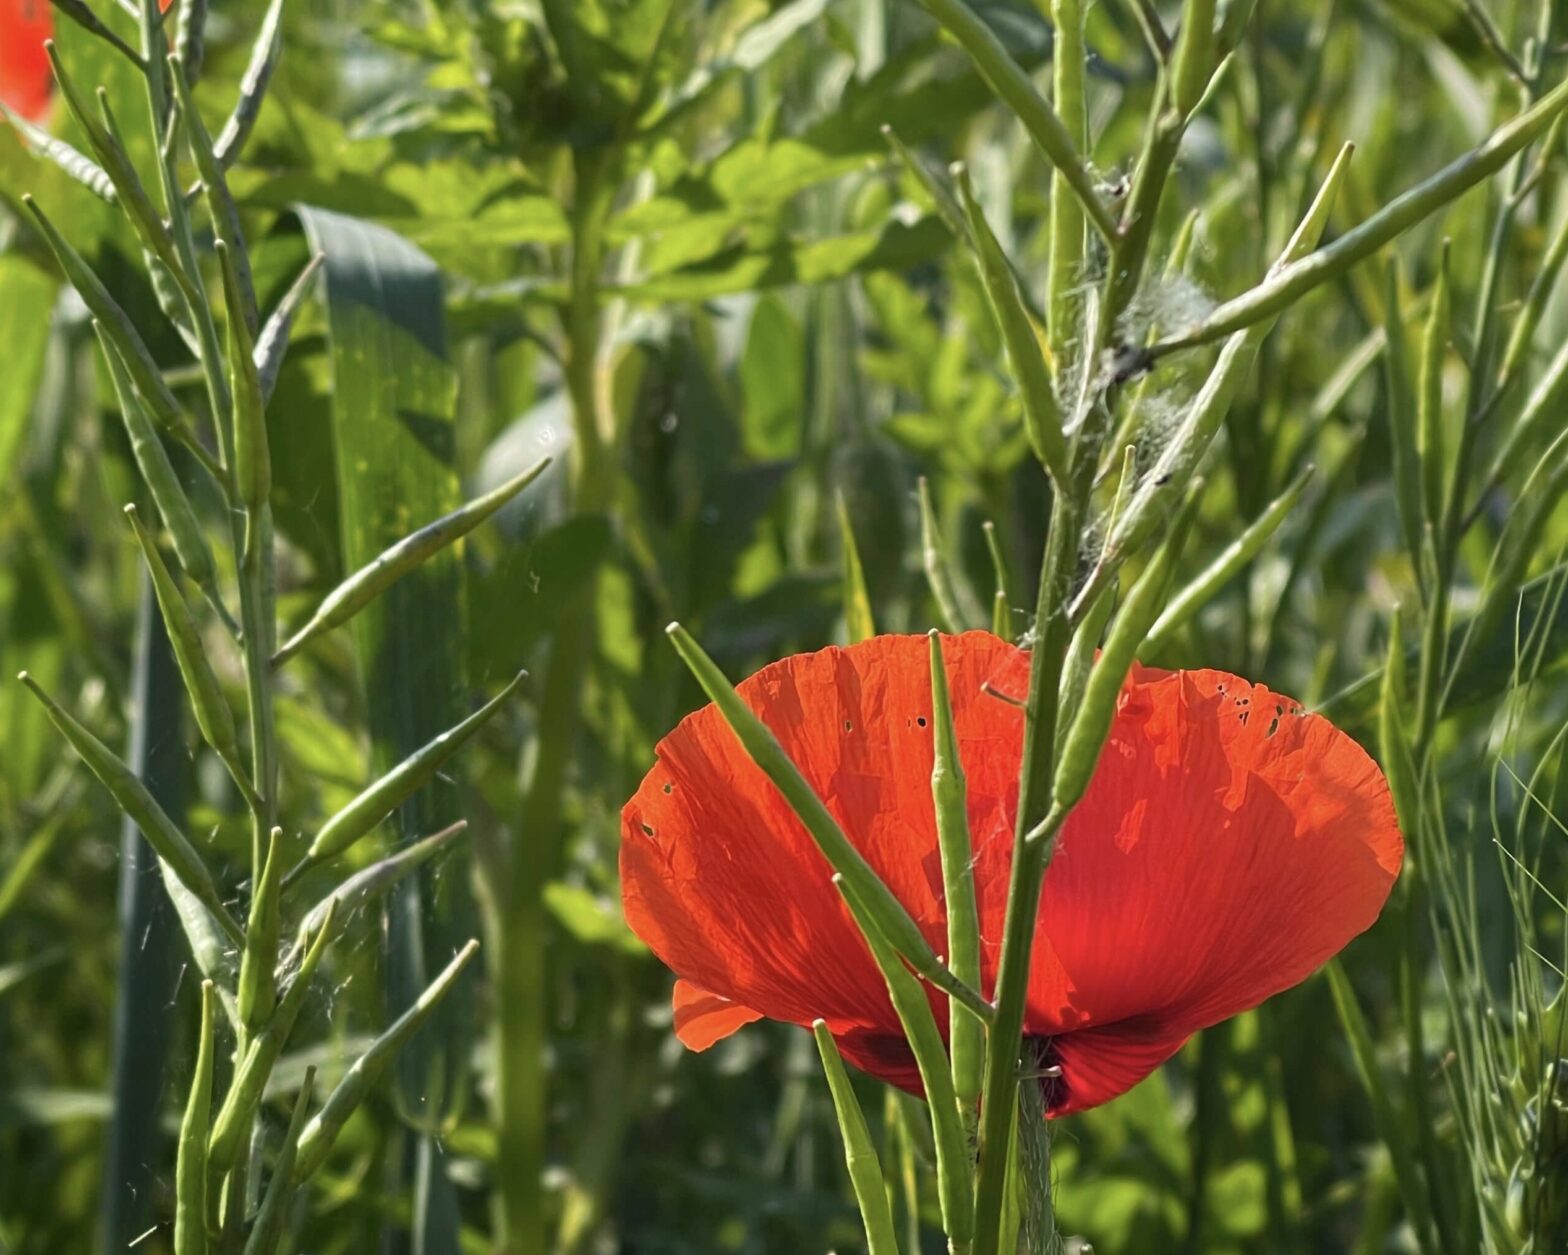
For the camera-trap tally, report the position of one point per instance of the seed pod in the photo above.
(190, 1171)
(109, 143)
(763, 748)
(1082, 745)
(383, 797)
(322, 1131)
(1394, 730)
(952, 603)
(365, 887)
(117, 326)
(1042, 414)
(949, 797)
(79, 12)
(78, 165)
(857, 600)
(213, 715)
(257, 985)
(1080, 658)
(174, 507)
(250, 1077)
(1429, 400)
(1231, 559)
(267, 1229)
(392, 564)
(253, 85)
(860, 1155)
(1402, 419)
(133, 798)
(925, 1043)
(1194, 55)
(273, 342)
(190, 39)
(252, 456)
(1179, 462)
(947, 207)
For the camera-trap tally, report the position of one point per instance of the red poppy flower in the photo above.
(1229, 844)
(25, 77)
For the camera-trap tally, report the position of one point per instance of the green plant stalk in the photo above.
(949, 796)
(520, 1068)
(1401, 409)
(267, 1229)
(1289, 284)
(322, 1131)
(878, 901)
(1066, 259)
(1009, 81)
(1194, 55)
(925, 1042)
(860, 1156)
(1030, 859)
(1429, 401)
(190, 1171)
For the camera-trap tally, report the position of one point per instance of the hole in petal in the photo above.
(921, 721)
(647, 830)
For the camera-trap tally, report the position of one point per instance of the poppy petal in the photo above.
(1229, 844)
(26, 79)
(728, 889)
(702, 1018)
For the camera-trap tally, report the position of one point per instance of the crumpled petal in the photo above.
(702, 1018)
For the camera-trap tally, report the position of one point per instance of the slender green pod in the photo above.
(1080, 656)
(993, 546)
(168, 495)
(1402, 426)
(258, 988)
(1193, 58)
(858, 620)
(117, 326)
(213, 715)
(392, 564)
(253, 85)
(1541, 411)
(763, 748)
(373, 882)
(1201, 423)
(1429, 399)
(252, 455)
(1008, 79)
(925, 1043)
(1068, 59)
(383, 797)
(79, 12)
(1042, 414)
(1542, 285)
(1393, 730)
(319, 1135)
(225, 214)
(947, 206)
(133, 798)
(1001, 615)
(949, 600)
(190, 39)
(72, 161)
(949, 797)
(266, 1230)
(1288, 284)
(1081, 747)
(190, 1165)
(132, 193)
(860, 1155)
(273, 342)
(232, 1126)
(1226, 565)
